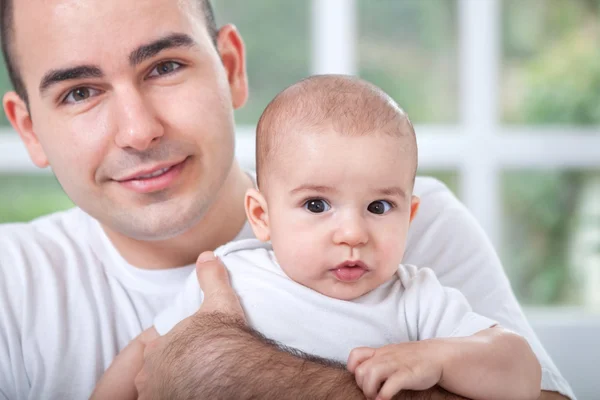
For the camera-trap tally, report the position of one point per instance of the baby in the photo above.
(336, 163)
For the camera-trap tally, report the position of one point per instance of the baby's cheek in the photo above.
(392, 252)
(299, 260)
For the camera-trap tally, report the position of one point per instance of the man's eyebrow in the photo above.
(55, 76)
(312, 188)
(392, 191)
(151, 49)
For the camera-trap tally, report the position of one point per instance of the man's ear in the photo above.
(19, 117)
(233, 57)
(415, 202)
(256, 211)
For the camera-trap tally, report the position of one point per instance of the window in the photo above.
(24, 197)
(277, 38)
(410, 49)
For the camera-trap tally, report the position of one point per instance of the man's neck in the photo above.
(221, 224)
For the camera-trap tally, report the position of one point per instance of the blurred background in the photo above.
(505, 95)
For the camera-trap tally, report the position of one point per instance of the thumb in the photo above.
(213, 279)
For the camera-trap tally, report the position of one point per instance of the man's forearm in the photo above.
(552, 396)
(219, 357)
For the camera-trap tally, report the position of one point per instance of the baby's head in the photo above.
(336, 160)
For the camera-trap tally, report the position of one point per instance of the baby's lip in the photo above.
(350, 271)
(352, 264)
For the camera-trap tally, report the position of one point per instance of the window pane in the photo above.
(5, 86)
(409, 49)
(551, 62)
(450, 178)
(24, 197)
(277, 38)
(552, 236)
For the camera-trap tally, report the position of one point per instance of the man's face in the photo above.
(339, 208)
(132, 108)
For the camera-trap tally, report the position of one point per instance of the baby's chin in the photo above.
(347, 291)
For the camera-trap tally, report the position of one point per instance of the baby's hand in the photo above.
(411, 365)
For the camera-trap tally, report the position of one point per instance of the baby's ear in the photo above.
(256, 211)
(415, 202)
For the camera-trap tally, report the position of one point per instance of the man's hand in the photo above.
(397, 367)
(219, 296)
(219, 299)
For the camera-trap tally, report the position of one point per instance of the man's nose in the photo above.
(138, 125)
(352, 231)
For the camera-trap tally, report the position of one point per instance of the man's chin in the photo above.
(155, 225)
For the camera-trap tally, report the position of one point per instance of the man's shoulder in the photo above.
(51, 224)
(47, 236)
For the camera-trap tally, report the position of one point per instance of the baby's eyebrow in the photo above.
(392, 191)
(313, 188)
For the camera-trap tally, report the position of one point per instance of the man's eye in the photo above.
(164, 68)
(379, 207)
(317, 206)
(80, 94)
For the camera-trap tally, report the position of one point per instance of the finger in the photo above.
(140, 383)
(151, 346)
(370, 375)
(358, 356)
(213, 279)
(392, 386)
(406, 380)
(149, 335)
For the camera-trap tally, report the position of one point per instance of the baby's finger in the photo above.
(404, 380)
(358, 356)
(370, 375)
(392, 386)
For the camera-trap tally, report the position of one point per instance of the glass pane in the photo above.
(552, 236)
(409, 49)
(450, 178)
(5, 86)
(551, 62)
(277, 38)
(25, 197)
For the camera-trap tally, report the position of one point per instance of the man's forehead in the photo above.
(52, 34)
(104, 17)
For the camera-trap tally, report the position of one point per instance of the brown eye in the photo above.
(379, 207)
(80, 94)
(317, 206)
(165, 68)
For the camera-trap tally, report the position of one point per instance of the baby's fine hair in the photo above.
(345, 104)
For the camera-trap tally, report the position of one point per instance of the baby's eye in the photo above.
(379, 207)
(317, 206)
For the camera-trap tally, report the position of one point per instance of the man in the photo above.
(131, 104)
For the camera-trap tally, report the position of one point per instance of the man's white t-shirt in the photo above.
(410, 306)
(69, 302)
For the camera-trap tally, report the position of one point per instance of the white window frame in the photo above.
(478, 147)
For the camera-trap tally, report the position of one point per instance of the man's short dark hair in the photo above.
(7, 32)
